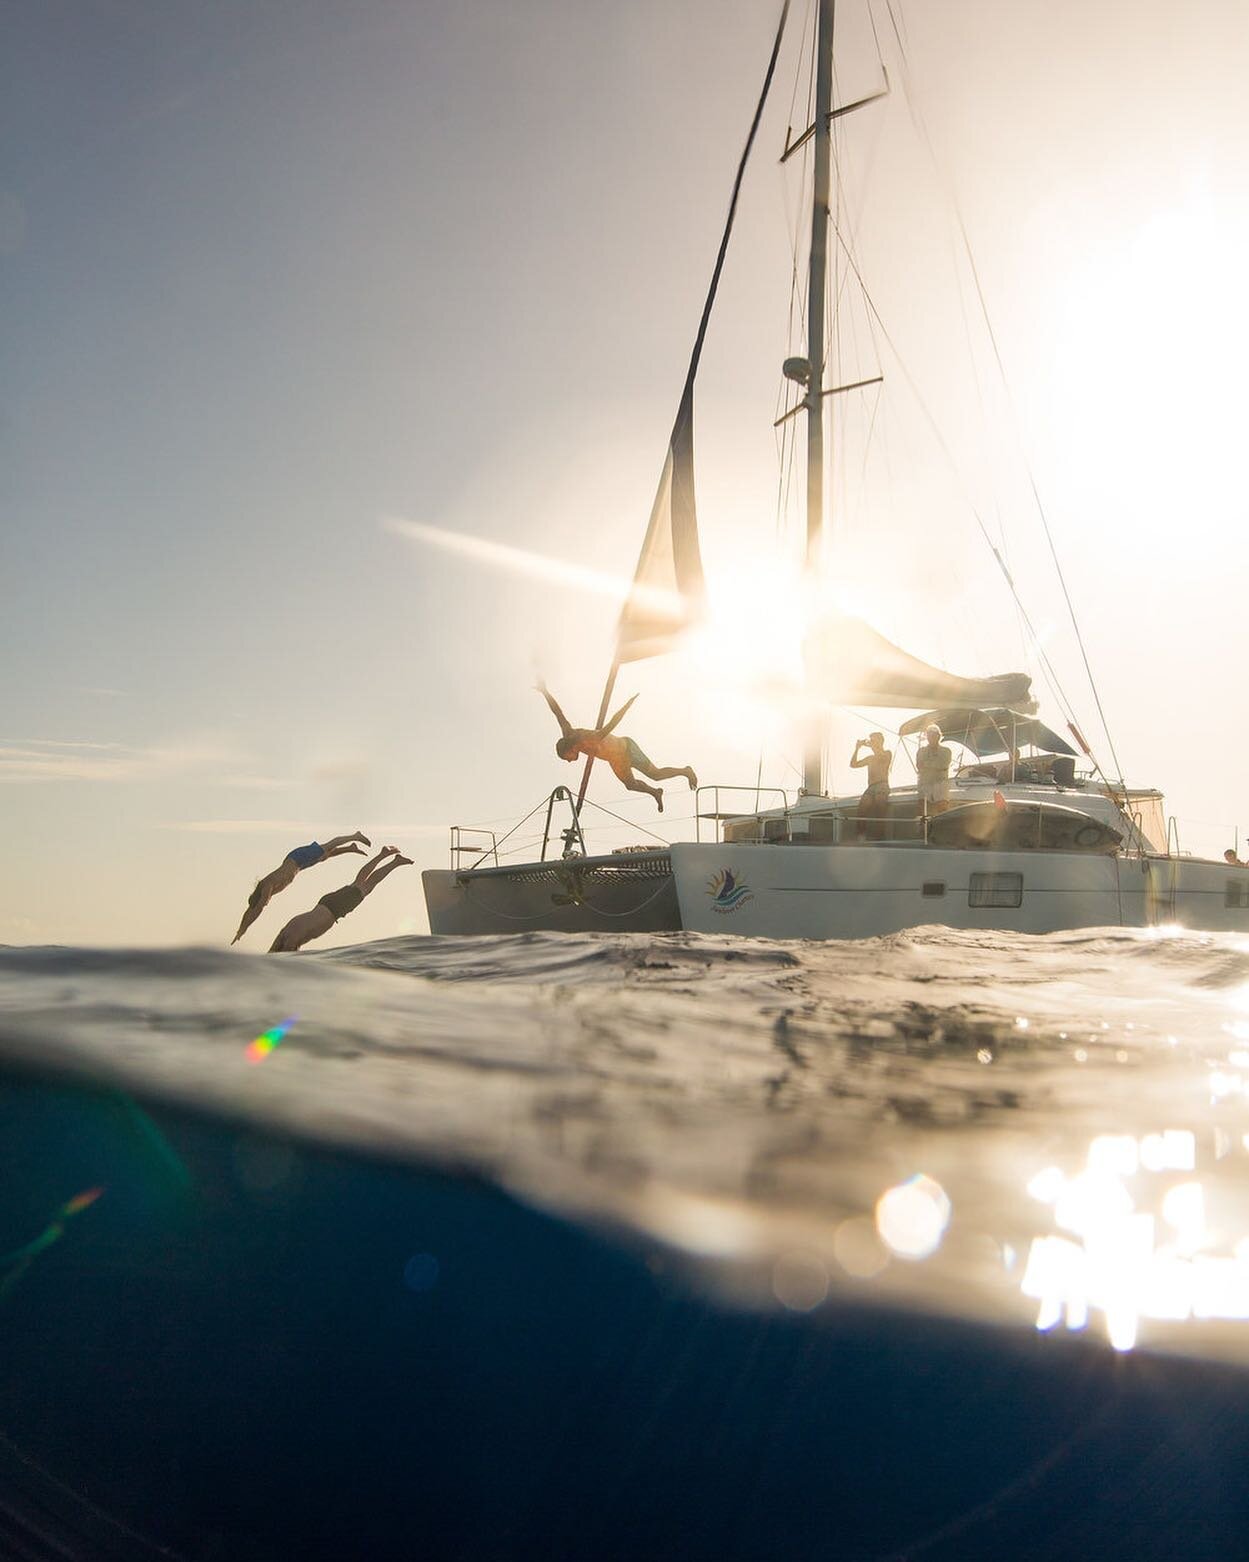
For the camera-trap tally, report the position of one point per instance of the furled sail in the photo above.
(668, 591)
(667, 595)
(849, 663)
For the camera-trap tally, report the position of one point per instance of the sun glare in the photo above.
(1145, 348)
(747, 655)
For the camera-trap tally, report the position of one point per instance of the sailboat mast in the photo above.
(813, 757)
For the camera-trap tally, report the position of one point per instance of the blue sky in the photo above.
(274, 272)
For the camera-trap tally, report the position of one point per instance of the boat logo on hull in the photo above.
(727, 891)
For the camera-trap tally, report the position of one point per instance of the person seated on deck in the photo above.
(284, 873)
(873, 809)
(620, 753)
(330, 908)
(1014, 768)
(1231, 859)
(932, 766)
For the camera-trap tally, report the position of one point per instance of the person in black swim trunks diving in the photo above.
(333, 907)
(622, 754)
(284, 873)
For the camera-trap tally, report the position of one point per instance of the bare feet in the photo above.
(657, 794)
(354, 851)
(358, 836)
(691, 778)
(402, 862)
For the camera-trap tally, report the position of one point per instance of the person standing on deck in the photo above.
(873, 809)
(284, 873)
(330, 908)
(621, 754)
(932, 766)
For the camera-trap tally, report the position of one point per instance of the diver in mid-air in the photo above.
(331, 908)
(284, 873)
(621, 754)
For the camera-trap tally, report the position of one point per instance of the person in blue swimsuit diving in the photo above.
(284, 874)
(332, 907)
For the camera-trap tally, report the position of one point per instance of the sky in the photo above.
(276, 274)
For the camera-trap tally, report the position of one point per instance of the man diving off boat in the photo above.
(332, 907)
(620, 753)
(284, 873)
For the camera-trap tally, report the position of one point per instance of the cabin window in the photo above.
(1237, 893)
(932, 890)
(995, 889)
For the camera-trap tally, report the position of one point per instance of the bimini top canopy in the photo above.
(987, 732)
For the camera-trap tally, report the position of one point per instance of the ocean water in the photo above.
(561, 1245)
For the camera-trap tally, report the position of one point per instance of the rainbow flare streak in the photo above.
(259, 1050)
(81, 1201)
(20, 1259)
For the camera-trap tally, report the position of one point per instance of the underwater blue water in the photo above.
(637, 1245)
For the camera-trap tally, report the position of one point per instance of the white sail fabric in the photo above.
(668, 591)
(850, 663)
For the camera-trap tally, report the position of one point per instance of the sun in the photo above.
(746, 656)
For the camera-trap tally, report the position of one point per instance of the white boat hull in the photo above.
(865, 891)
(843, 891)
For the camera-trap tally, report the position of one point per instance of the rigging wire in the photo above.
(1050, 673)
(921, 127)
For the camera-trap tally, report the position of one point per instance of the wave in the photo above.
(738, 1100)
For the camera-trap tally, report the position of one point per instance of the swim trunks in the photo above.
(637, 760)
(340, 901)
(305, 856)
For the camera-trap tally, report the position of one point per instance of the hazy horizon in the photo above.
(278, 275)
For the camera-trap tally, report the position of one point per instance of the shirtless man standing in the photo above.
(873, 809)
(284, 873)
(622, 754)
(330, 908)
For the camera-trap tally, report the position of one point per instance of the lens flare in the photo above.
(259, 1050)
(21, 1258)
(911, 1218)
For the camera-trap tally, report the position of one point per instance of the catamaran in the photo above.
(1031, 835)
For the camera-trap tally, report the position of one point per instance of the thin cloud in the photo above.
(26, 760)
(67, 743)
(24, 765)
(242, 827)
(313, 830)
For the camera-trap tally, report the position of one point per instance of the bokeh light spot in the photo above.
(912, 1217)
(799, 1281)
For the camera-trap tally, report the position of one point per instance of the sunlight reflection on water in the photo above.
(1123, 1265)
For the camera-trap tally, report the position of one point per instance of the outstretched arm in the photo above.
(564, 727)
(619, 716)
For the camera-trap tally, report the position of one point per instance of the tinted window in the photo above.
(995, 889)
